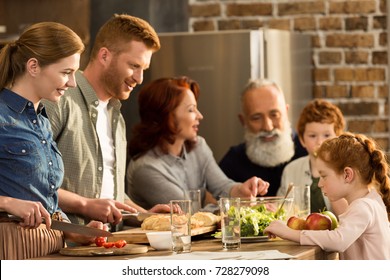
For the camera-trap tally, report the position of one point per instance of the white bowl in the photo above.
(160, 240)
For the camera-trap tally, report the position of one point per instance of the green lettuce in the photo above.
(256, 218)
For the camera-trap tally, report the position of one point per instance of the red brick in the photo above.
(318, 91)
(356, 23)
(303, 24)
(383, 6)
(203, 25)
(320, 75)
(383, 91)
(251, 24)
(379, 57)
(281, 24)
(383, 39)
(205, 10)
(301, 8)
(359, 126)
(356, 57)
(344, 74)
(329, 57)
(376, 74)
(380, 125)
(336, 91)
(362, 91)
(315, 41)
(350, 40)
(330, 23)
(380, 22)
(352, 7)
(252, 9)
(368, 108)
(229, 24)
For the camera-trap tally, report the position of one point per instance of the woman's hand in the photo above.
(160, 208)
(32, 213)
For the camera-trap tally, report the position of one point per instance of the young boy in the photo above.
(318, 121)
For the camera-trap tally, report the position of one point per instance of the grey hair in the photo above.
(259, 83)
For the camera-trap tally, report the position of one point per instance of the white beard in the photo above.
(270, 154)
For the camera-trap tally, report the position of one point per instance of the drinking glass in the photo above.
(181, 226)
(230, 222)
(301, 196)
(195, 197)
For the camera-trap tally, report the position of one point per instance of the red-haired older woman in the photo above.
(167, 155)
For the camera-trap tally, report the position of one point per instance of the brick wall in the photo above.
(349, 40)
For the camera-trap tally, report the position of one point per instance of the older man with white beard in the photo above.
(270, 143)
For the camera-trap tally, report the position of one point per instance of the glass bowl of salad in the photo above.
(256, 214)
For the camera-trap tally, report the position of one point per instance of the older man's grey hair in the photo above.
(259, 83)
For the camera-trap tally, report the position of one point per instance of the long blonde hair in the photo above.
(362, 154)
(48, 42)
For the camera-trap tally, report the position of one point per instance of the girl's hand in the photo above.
(278, 228)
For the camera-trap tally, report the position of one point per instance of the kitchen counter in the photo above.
(214, 245)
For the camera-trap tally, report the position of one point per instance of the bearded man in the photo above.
(270, 143)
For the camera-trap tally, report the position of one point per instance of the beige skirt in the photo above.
(18, 243)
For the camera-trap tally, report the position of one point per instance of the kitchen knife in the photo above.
(80, 229)
(64, 226)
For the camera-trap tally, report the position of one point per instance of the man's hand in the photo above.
(106, 210)
(250, 188)
(84, 239)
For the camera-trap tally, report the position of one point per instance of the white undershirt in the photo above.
(104, 131)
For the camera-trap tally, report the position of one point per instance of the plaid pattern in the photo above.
(73, 121)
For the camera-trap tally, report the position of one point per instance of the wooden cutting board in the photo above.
(129, 249)
(138, 235)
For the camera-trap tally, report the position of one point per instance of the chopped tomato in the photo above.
(99, 241)
(120, 243)
(109, 245)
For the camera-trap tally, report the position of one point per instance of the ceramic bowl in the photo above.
(160, 240)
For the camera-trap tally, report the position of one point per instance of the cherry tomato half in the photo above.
(99, 241)
(109, 245)
(120, 243)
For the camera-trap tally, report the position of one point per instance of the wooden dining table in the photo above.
(211, 244)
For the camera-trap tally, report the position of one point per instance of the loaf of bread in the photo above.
(157, 222)
(163, 222)
(206, 218)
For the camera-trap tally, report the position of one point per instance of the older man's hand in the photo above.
(250, 188)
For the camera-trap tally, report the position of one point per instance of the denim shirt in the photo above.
(31, 166)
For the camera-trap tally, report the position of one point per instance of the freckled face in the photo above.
(188, 117)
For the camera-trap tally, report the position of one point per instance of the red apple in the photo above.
(318, 221)
(333, 217)
(295, 222)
